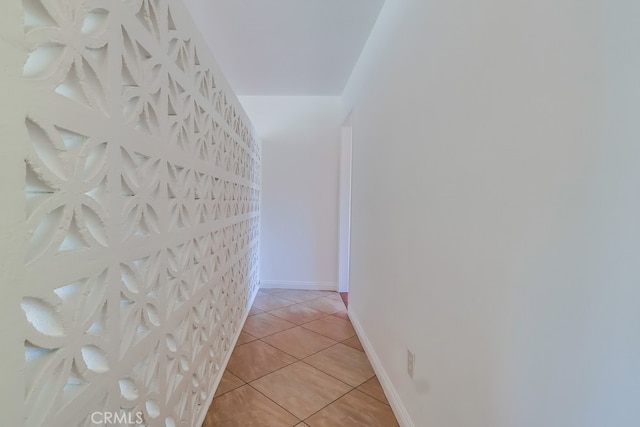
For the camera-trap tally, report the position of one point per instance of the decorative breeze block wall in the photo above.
(142, 188)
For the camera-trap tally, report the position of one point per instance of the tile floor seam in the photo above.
(285, 409)
(235, 388)
(301, 342)
(325, 314)
(318, 369)
(351, 388)
(292, 355)
(313, 354)
(268, 373)
(268, 310)
(277, 349)
(330, 403)
(299, 360)
(319, 318)
(333, 376)
(300, 302)
(320, 333)
(282, 330)
(259, 339)
(273, 372)
(350, 391)
(296, 357)
(373, 397)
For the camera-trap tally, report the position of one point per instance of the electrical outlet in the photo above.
(411, 360)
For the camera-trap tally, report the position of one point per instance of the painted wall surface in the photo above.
(13, 229)
(299, 218)
(130, 218)
(496, 211)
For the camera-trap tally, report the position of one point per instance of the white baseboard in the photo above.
(399, 410)
(308, 286)
(216, 383)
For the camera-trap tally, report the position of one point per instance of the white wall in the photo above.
(496, 210)
(130, 183)
(12, 219)
(299, 230)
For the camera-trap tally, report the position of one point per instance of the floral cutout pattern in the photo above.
(142, 191)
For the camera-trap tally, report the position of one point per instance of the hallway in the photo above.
(298, 362)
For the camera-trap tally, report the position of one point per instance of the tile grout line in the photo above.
(328, 404)
(276, 403)
(292, 355)
(336, 314)
(302, 361)
(313, 367)
(297, 359)
(373, 397)
(333, 376)
(261, 339)
(326, 315)
(261, 376)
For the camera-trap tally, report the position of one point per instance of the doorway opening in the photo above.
(344, 250)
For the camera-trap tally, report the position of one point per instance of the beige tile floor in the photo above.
(298, 362)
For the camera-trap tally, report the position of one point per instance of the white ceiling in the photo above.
(286, 47)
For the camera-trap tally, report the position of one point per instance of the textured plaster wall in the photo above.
(130, 218)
